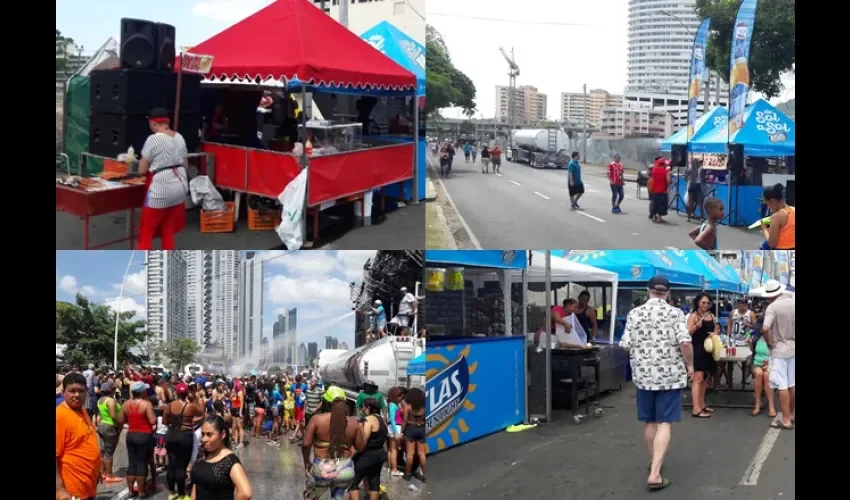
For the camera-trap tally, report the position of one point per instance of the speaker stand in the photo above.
(733, 216)
(677, 196)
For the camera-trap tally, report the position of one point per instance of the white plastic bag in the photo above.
(204, 193)
(292, 198)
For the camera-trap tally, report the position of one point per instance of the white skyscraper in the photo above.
(660, 41)
(166, 299)
(225, 302)
(199, 285)
(251, 307)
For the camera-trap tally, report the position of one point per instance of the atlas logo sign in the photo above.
(447, 390)
(377, 41)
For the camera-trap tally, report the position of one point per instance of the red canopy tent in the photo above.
(294, 40)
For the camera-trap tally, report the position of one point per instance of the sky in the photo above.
(559, 46)
(91, 22)
(316, 282)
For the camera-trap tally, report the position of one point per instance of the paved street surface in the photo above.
(731, 455)
(403, 228)
(275, 474)
(529, 208)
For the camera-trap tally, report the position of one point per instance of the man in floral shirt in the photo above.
(662, 360)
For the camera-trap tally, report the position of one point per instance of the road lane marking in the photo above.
(542, 195)
(597, 219)
(751, 475)
(499, 175)
(463, 223)
(515, 183)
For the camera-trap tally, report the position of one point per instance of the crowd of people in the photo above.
(668, 348)
(447, 150)
(190, 424)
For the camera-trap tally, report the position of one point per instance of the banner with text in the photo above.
(782, 267)
(739, 63)
(697, 74)
(196, 63)
(757, 266)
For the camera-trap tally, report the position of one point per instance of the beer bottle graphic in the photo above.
(739, 79)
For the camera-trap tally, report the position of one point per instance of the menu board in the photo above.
(714, 162)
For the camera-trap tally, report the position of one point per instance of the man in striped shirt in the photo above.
(314, 401)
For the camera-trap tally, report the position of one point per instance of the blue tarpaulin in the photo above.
(708, 123)
(502, 259)
(641, 265)
(417, 366)
(716, 275)
(398, 46)
(767, 132)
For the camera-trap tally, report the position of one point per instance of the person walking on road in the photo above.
(574, 183)
(662, 361)
(181, 416)
(109, 430)
(616, 176)
(140, 443)
(779, 330)
(496, 158)
(77, 450)
(660, 178)
(485, 159)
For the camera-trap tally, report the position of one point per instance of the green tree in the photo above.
(181, 352)
(88, 329)
(62, 43)
(467, 127)
(774, 41)
(447, 86)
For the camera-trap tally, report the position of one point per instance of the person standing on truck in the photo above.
(616, 176)
(485, 159)
(380, 318)
(496, 158)
(574, 183)
(406, 308)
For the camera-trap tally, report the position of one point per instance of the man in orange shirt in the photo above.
(77, 448)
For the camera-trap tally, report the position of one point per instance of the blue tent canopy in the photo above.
(766, 132)
(717, 118)
(641, 265)
(717, 277)
(398, 46)
(417, 366)
(502, 259)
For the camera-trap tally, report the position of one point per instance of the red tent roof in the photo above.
(292, 39)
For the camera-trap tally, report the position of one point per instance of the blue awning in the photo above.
(417, 366)
(706, 125)
(767, 132)
(502, 259)
(640, 265)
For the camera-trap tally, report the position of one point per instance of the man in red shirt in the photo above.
(661, 178)
(496, 158)
(617, 180)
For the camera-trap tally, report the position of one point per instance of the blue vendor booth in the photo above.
(475, 385)
(767, 133)
(706, 126)
(410, 55)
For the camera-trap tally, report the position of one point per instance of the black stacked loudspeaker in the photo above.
(121, 98)
(737, 165)
(679, 155)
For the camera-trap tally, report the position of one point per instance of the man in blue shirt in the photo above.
(575, 185)
(380, 319)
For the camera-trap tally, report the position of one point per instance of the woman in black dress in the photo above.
(219, 474)
(369, 464)
(702, 324)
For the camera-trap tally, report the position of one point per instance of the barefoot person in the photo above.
(705, 235)
(662, 359)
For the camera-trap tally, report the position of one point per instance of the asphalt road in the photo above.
(529, 208)
(731, 455)
(275, 474)
(402, 229)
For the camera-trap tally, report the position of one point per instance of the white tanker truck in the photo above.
(383, 362)
(540, 148)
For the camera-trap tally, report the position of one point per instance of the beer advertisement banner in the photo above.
(739, 64)
(697, 74)
(782, 266)
(757, 268)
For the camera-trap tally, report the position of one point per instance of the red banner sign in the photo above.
(196, 63)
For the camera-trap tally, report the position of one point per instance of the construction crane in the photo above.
(513, 72)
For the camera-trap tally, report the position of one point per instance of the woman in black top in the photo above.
(414, 431)
(220, 473)
(369, 464)
(701, 325)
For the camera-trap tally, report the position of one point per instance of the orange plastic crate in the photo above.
(263, 220)
(220, 221)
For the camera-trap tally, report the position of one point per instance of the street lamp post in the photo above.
(118, 310)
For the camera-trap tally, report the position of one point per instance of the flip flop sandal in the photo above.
(658, 486)
(756, 413)
(701, 414)
(772, 415)
(708, 410)
(780, 425)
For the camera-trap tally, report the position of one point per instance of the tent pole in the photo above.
(548, 327)
(525, 335)
(415, 149)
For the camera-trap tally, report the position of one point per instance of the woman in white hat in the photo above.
(702, 326)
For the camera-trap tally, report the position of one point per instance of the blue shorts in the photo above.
(659, 406)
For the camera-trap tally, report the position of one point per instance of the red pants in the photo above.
(163, 223)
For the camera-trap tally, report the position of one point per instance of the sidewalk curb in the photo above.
(432, 171)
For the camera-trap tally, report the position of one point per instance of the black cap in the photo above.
(658, 284)
(157, 113)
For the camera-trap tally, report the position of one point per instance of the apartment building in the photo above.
(575, 105)
(166, 308)
(636, 122)
(529, 104)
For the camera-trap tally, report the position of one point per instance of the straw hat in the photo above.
(713, 345)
